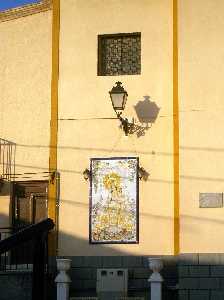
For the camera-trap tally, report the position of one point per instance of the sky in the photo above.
(7, 4)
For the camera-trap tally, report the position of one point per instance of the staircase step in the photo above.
(83, 298)
(95, 298)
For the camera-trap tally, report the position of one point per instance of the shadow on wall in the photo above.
(147, 113)
(191, 275)
(197, 272)
(84, 268)
(5, 188)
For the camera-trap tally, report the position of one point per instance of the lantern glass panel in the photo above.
(118, 100)
(125, 96)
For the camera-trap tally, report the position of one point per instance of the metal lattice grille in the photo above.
(119, 54)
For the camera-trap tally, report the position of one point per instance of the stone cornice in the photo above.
(26, 10)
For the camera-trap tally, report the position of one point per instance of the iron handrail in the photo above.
(6, 228)
(26, 234)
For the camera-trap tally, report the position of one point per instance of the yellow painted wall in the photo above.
(201, 62)
(84, 96)
(5, 205)
(25, 72)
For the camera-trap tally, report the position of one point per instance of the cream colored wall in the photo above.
(84, 96)
(201, 73)
(25, 72)
(5, 205)
(5, 211)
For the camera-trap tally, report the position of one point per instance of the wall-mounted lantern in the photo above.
(86, 174)
(118, 97)
(142, 174)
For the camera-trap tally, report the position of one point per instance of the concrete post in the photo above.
(63, 280)
(155, 279)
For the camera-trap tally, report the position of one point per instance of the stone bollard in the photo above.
(155, 279)
(63, 280)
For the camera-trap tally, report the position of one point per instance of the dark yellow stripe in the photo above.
(52, 193)
(176, 130)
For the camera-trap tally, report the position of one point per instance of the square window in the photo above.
(119, 54)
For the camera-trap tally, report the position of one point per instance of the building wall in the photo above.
(25, 71)
(201, 70)
(83, 96)
(84, 274)
(201, 276)
(5, 207)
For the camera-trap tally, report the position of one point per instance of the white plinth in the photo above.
(155, 279)
(63, 280)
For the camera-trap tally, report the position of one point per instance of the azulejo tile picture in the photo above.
(114, 200)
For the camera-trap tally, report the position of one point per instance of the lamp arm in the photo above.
(126, 126)
(119, 115)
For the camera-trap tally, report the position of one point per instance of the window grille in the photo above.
(119, 54)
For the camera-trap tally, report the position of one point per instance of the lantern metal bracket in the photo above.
(143, 174)
(125, 124)
(86, 174)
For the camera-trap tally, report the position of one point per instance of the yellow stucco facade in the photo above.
(201, 122)
(25, 85)
(57, 111)
(25, 89)
(83, 96)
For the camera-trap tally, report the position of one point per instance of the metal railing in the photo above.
(5, 232)
(17, 259)
(35, 237)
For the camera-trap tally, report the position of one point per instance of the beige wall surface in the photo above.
(201, 53)
(84, 96)
(25, 85)
(5, 212)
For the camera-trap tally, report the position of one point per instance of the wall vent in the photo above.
(112, 284)
(113, 280)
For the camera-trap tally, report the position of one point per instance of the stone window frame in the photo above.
(25, 10)
(99, 51)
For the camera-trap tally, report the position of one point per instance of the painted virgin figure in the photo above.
(115, 221)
